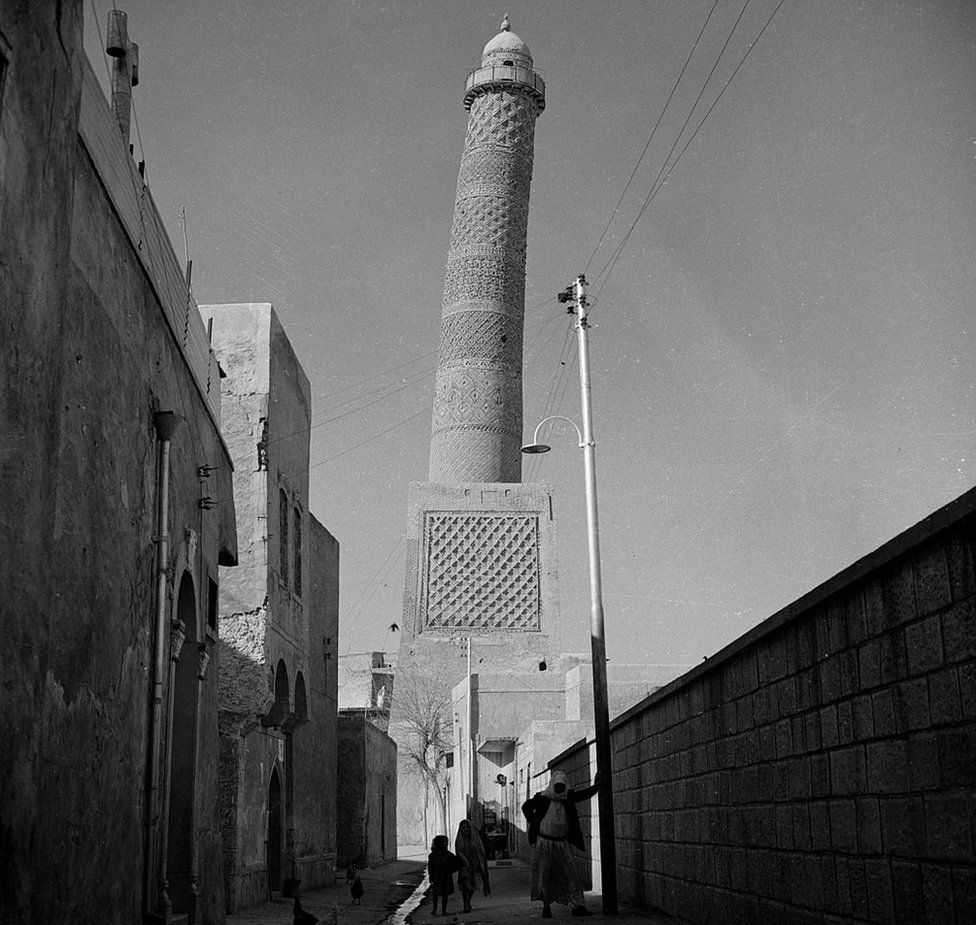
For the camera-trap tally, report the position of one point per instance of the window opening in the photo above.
(297, 526)
(283, 536)
(213, 598)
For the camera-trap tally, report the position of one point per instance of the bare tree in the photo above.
(424, 734)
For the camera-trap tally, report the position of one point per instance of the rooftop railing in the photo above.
(496, 76)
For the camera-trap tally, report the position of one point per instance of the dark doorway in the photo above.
(274, 831)
(179, 861)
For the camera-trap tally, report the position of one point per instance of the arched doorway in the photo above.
(182, 769)
(275, 831)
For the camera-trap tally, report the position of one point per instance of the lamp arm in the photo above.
(558, 417)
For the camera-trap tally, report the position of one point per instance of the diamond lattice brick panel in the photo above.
(502, 119)
(478, 335)
(496, 221)
(481, 571)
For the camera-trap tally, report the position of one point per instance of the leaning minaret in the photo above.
(477, 421)
(480, 546)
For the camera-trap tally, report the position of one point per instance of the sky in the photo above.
(783, 353)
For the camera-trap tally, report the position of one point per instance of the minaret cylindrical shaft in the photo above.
(477, 421)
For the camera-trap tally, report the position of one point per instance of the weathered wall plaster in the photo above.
(88, 358)
(367, 793)
(279, 607)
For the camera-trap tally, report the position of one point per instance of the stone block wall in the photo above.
(821, 768)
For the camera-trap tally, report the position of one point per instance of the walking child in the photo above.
(441, 865)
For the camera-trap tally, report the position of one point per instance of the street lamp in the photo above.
(601, 711)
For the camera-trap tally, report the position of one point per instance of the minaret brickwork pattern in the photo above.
(480, 546)
(476, 433)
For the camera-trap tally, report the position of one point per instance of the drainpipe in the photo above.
(167, 424)
(176, 639)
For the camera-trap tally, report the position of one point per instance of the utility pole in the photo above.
(601, 707)
(473, 784)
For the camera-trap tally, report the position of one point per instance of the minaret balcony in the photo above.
(504, 77)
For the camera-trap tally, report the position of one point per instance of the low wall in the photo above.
(821, 768)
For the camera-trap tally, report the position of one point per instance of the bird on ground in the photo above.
(358, 891)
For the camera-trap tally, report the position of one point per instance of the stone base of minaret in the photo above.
(481, 563)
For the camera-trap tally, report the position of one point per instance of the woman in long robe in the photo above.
(468, 847)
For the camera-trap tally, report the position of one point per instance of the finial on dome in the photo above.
(506, 25)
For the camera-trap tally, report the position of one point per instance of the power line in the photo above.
(311, 426)
(378, 576)
(650, 138)
(616, 254)
(379, 375)
(382, 433)
(660, 181)
(556, 380)
(383, 388)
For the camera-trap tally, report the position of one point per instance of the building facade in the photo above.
(366, 683)
(118, 511)
(278, 624)
(509, 725)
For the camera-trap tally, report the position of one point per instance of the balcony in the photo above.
(500, 77)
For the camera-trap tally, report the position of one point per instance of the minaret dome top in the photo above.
(506, 48)
(506, 65)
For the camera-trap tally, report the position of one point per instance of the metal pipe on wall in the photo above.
(167, 424)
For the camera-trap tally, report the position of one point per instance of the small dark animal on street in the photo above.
(358, 890)
(301, 917)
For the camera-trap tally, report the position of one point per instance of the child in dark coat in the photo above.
(441, 865)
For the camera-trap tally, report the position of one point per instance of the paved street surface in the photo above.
(389, 889)
(509, 903)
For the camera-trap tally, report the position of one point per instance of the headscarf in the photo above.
(471, 851)
(557, 777)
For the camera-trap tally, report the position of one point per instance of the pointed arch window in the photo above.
(297, 534)
(283, 536)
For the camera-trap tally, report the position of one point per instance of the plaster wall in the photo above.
(626, 684)
(241, 339)
(367, 793)
(314, 744)
(266, 408)
(281, 607)
(88, 358)
(356, 681)
(543, 712)
(823, 766)
(261, 752)
(366, 682)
